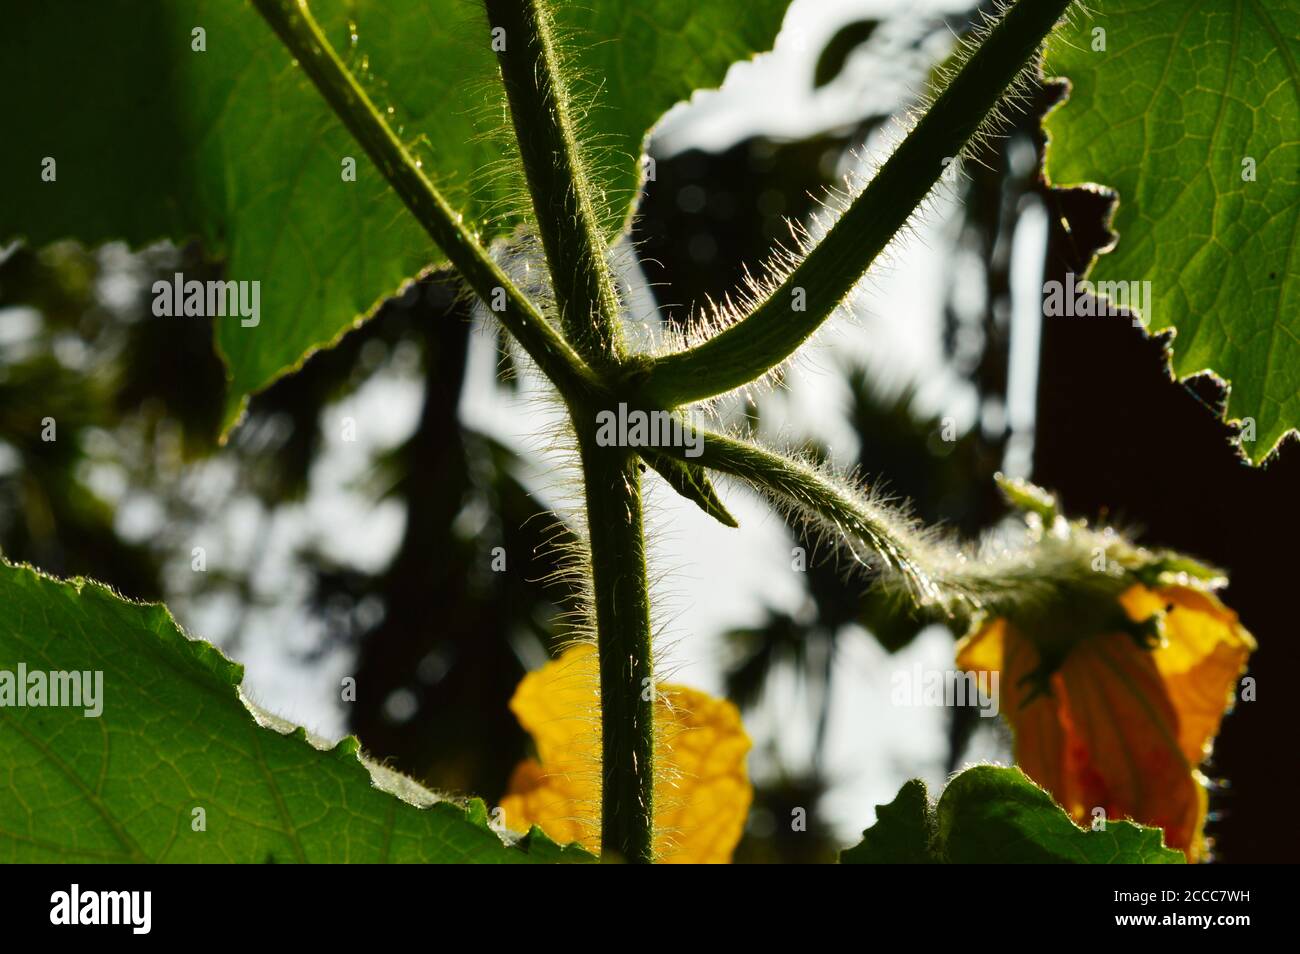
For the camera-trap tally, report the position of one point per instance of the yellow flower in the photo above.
(1117, 725)
(701, 790)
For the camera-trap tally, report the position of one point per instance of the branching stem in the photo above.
(585, 294)
(293, 22)
(588, 362)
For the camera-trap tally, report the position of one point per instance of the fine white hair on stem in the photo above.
(761, 294)
(927, 566)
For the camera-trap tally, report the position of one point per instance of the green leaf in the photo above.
(639, 59)
(692, 482)
(1172, 114)
(901, 834)
(233, 145)
(990, 814)
(175, 734)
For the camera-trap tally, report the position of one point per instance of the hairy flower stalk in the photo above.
(1052, 564)
(870, 529)
(775, 328)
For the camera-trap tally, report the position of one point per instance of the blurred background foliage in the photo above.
(436, 640)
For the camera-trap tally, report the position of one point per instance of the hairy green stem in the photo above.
(542, 110)
(933, 573)
(293, 22)
(776, 328)
(895, 540)
(614, 517)
(540, 106)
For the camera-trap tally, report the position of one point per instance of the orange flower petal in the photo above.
(1201, 660)
(539, 797)
(1122, 741)
(559, 706)
(1125, 728)
(702, 792)
(983, 650)
(1000, 647)
(1040, 740)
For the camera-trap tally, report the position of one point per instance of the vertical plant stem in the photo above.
(613, 482)
(542, 111)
